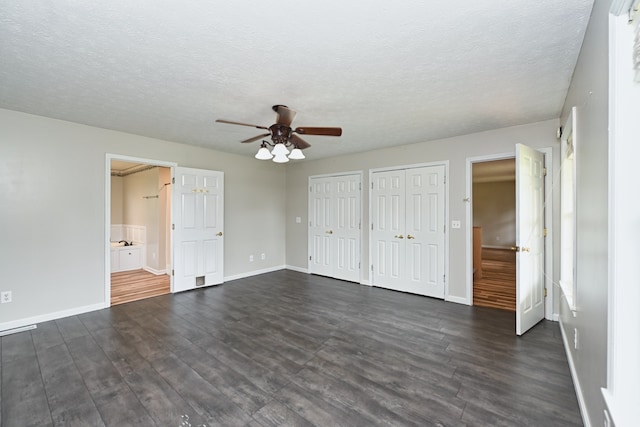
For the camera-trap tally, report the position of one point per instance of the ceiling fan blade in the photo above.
(284, 115)
(299, 142)
(229, 122)
(319, 131)
(255, 138)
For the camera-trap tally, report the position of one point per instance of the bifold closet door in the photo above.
(334, 226)
(408, 236)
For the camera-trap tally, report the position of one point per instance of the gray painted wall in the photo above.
(52, 198)
(456, 150)
(589, 92)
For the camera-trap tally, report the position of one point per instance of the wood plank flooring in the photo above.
(287, 349)
(497, 287)
(134, 285)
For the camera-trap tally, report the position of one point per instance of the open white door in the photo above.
(529, 238)
(198, 206)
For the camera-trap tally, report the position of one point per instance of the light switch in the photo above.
(455, 224)
(298, 220)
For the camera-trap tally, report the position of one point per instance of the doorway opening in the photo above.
(138, 236)
(494, 233)
(543, 267)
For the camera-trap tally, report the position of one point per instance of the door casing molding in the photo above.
(548, 220)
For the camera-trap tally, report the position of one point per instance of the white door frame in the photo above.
(444, 163)
(309, 237)
(548, 220)
(107, 215)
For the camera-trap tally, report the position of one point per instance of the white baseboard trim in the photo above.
(365, 282)
(457, 300)
(254, 273)
(555, 317)
(574, 375)
(50, 316)
(154, 271)
(298, 269)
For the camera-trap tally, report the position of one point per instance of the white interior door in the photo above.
(346, 227)
(425, 231)
(529, 238)
(388, 228)
(198, 206)
(334, 226)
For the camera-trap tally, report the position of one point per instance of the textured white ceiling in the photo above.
(388, 73)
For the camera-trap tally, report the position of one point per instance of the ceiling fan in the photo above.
(283, 136)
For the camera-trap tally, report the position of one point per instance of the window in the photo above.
(567, 211)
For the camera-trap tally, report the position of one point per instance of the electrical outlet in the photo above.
(263, 256)
(298, 220)
(455, 224)
(5, 297)
(250, 258)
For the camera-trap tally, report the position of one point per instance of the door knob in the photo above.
(219, 233)
(399, 236)
(409, 236)
(519, 249)
(329, 232)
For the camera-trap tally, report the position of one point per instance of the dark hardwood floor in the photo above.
(287, 348)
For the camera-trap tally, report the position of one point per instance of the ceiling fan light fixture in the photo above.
(279, 149)
(280, 158)
(296, 154)
(264, 154)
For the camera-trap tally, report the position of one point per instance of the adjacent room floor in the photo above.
(287, 348)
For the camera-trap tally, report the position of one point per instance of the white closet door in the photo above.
(321, 227)
(334, 226)
(346, 227)
(408, 235)
(388, 228)
(425, 231)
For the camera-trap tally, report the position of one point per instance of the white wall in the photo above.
(142, 211)
(456, 150)
(623, 383)
(116, 200)
(52, 198)
(589, 93)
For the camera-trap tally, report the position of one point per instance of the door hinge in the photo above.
(545, 232)
(173, 226)
(372, 185)
(545, 292)
(359, 226)
(444, 179)
(309, 257)
(371, 226)
(173, 180)
(173, 272)
(358, 266)
(310, 189)
(444, 278)
(544, 171)
(360, 186)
